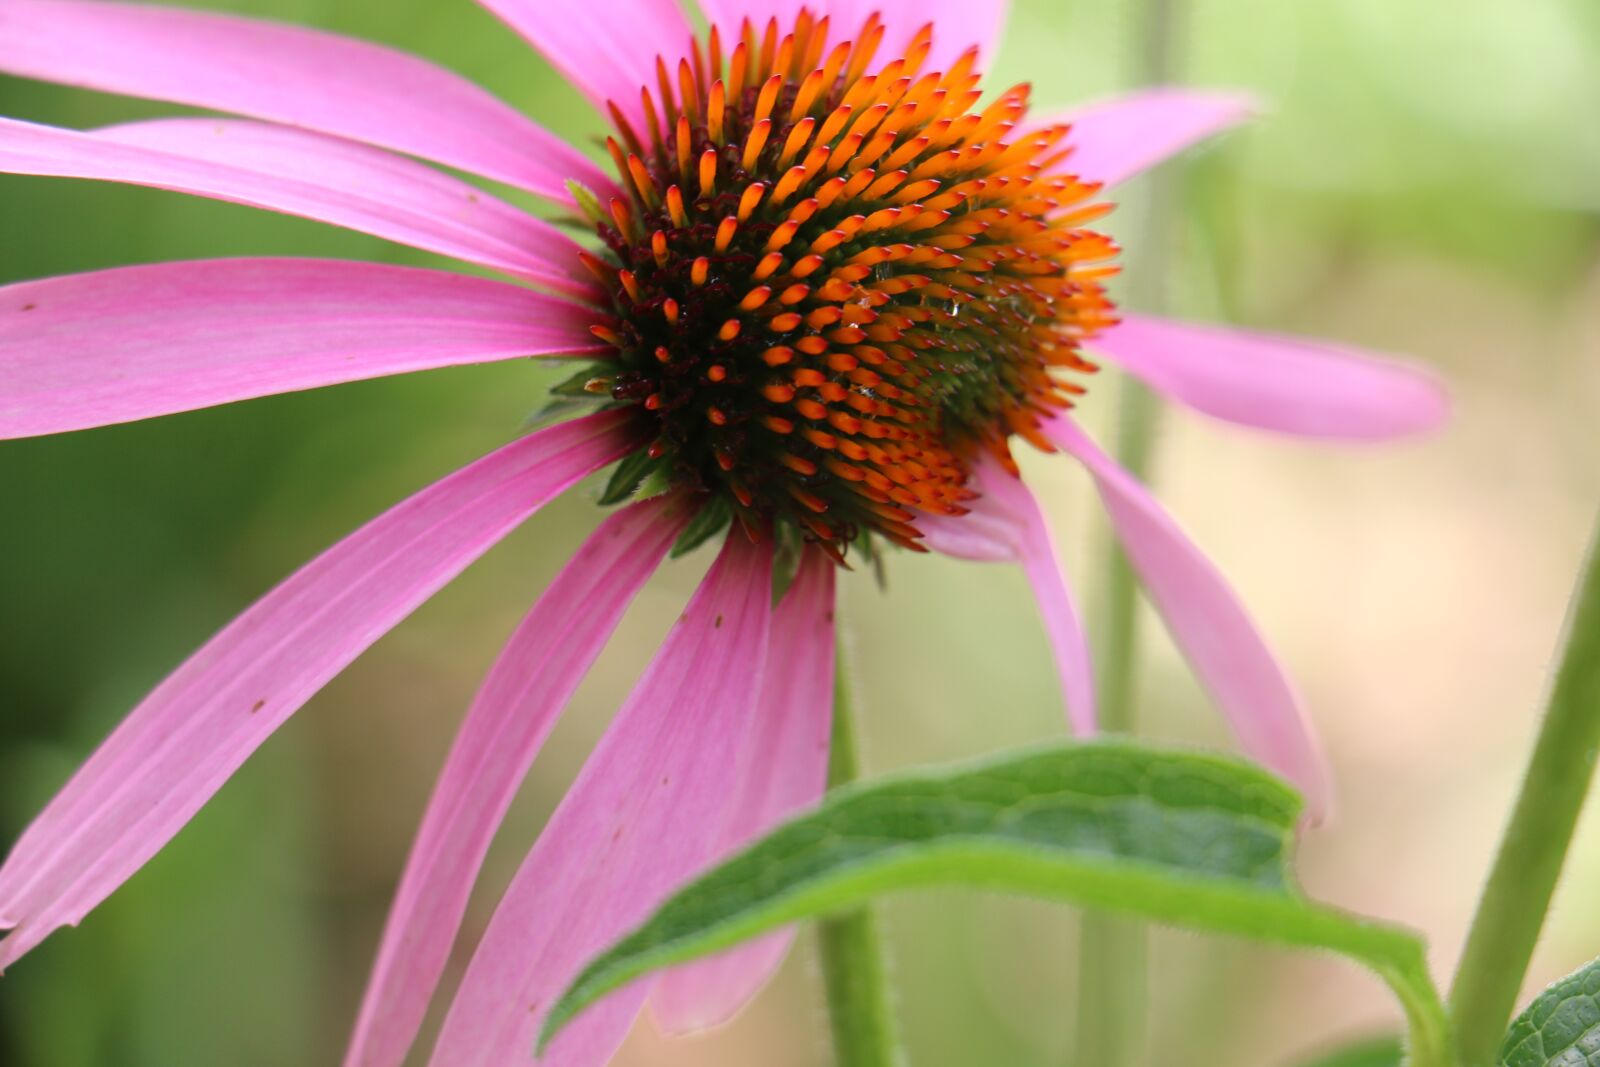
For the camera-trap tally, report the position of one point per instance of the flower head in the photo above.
(834, 288)
(830, 283)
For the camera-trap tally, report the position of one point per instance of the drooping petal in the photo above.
(608, 50)
(1114, 140)
(1006, 525)
(186, 738)
(1207, 623)
(988, 532)
(301, 77)
(785, 770)
(644, 814)
(307, 174)
(957, 24)
(519, 702)
(1287, 384)
(135, 342)
(1062, 621)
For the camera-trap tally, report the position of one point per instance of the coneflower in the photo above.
(830, 283)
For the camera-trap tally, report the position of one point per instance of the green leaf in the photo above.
(628, 476)
(576, 385)
(1561, 1028)
(1375, 1052)
(1193, 840)
(712, 518)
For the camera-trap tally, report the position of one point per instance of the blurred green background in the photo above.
(1428, 181)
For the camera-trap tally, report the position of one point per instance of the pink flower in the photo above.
(822, 305)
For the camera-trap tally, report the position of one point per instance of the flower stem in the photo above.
(1112, 950)
(854, 972)
(1534, 846)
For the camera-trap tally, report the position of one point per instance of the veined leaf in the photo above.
(1192, 840)
(1561, 1028)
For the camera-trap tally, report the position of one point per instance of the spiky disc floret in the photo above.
(832, 286)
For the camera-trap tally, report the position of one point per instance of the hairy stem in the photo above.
(860, 1012)
(1534, 846)
(1112, 952)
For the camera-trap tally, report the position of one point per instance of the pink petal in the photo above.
(1114, 140)
(642, 816)
(1301, 387)
(1207, 623)
(187, 738)
(307, 174)
(957, 24)
(524, 693)
(300, 77)
(1005, 524)
(1062, 621)
(988, 533)
(785, 770)
(135, 342)
(608, 50)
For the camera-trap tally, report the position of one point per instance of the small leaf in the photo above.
(1192, 840)
(712, 518)
(1375, 1052)
(576, 385)
(628, 476)
(1561, 1028)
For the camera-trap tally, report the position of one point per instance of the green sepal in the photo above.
(568, 397)
(655, 483)
(871, 553)
(714, 516)
(786, 557)
(628, 476)
(576, 385)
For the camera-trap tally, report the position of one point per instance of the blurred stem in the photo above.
(1534, 847)
(860, 1011)
(1112, 951)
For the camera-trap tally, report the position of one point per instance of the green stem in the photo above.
(1517, 896)
(860, 1012)
(1112, 950)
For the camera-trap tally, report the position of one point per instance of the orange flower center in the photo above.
(832, 287)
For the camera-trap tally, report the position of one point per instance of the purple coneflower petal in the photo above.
(186, 738)
(1062, 620)
(608, 50)
(1207, 623)
(1294, 386)
(307, 174)
(644, 814)
(957, 24)
(785, 770)
(1113, 140)
(301, 77)
(1005, 524)
(519, 702)
(134, 342)
(987, 533)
